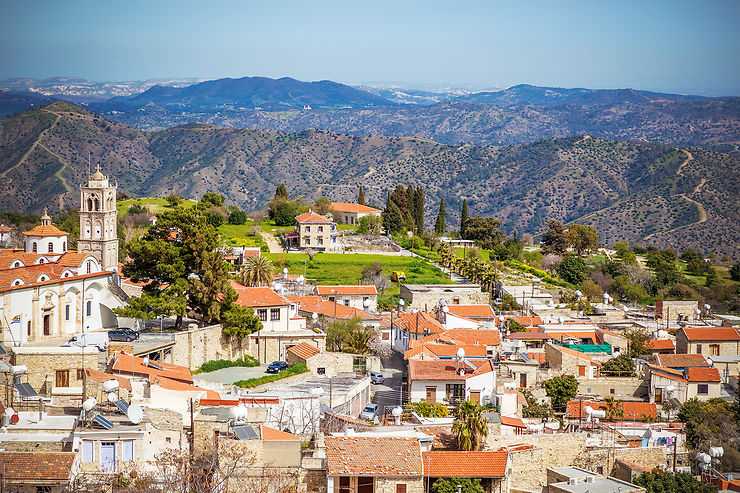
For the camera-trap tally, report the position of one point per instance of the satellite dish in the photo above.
(366, 303)
(460, 353)
(561, 320)
(277, 286)
(445, 308)
(301, 278)
(578, 294)
(501, 318)
(112, 397)
(89, 404)
(145, 362)
(135, 414)
(396, 411)
(401, 302)
(314, 316)
(110, 385)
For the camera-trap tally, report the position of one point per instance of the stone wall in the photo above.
(626, 388)
(388, 485)
(198, 345)
(43, 363)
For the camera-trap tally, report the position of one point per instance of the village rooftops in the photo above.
(133, 365)
(630, 410)
(442, 288)
(36, 468)
(711, 333)
(446, 351)
(441, 370)
(304, 350)
(472, 311)
(257, 296)
(329, 309)
(45, 230)
(695, 374)
(418, 322)
(466, 337)
(373, 456)
(661, 345)
(350, 207)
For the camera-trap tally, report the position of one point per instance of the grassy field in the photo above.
(154, 205)
(337, 268)
(240, 235)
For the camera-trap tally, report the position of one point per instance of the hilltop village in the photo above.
(344, 348)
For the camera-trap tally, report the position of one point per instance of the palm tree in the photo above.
(256, 271)
(470, 427)
(613, 408)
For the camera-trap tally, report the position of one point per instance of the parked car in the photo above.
(125, 335)
(98, 340)
(370, 412)
(277, 367)
(127, 330)
(376, 377)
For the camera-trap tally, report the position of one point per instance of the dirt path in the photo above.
(272, 242)
(689, 157)
(585, 138)
(33, 146)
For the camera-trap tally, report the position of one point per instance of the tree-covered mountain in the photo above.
(647, 192)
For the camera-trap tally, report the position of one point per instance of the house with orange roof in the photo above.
(313, 231)
(562, 360)
(661, 346)
(360, 296)
(492, 467)
(348, 213)
(708, 341)
(666, 384)
(477, 343)
(331, 310)
(448, 381)
(407, 327)
(4, 234)
(630, 410)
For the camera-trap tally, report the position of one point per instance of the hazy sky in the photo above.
(672, 45)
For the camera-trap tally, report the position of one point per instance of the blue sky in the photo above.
(676, 46)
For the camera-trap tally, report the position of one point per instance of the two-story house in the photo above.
(347, 213)
(708, 341)
(362, 297)
(316, 231)
(449, 381)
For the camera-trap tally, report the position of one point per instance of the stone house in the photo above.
(31, 472)
(55, 370)
(313, 231)
(708, 341)
(676, 310)
(578, 480)
(330, 364)
(360, 296)
(491, 467)
(408, 327)
(348, 213)
(426, 296)
(669, 384)
(562, 360)
(331, 310)
(451, 381)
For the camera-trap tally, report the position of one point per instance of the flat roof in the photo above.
(441, 288)
(572, 472)
(599, 485)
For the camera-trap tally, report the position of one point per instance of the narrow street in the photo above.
(389, 394)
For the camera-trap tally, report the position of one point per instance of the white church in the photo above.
(48, 290)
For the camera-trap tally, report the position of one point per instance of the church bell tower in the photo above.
(98, 221)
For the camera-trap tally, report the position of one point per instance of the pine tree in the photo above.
(281, 192)
(464, 218)
(361, 196)
(419, 209)
(440, 226)
(392, 217)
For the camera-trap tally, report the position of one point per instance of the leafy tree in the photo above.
(464, 217)
(322, 206)
(369, 225)
(735, 272)
(591, 291)
(470, 428)
(392, 218)
(214, 219)
(213, 198)
(440, 225)
(638, 343)
(622, 366)
(713, 420)
(237, 217)
(561, 389)
(513, 326)
(534, 409)
(680, 482)
(613, 408)
(624, 253)
(137, 208)
(172, 302)
(573, 269)
(555, 239)
(284, 211)
(281, 192)
(457, 485)
(583, 238)
(428, 409)
(174, 200)
(399, 197)
(349, 336)
(240, 321)
(256, 271)
(484, 231)
(361, 196)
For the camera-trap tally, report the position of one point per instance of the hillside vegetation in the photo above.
(686, 197)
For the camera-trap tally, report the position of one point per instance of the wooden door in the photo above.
(62, 378)
(47, 325)
(581, 371)
(431, 394)
(522, 379)
(658, 395)
(475, 396)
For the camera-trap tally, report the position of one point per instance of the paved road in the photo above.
(389, 393)
(233, 374)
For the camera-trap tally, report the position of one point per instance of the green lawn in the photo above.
(337, 268)
(154, 205)
(239, 235)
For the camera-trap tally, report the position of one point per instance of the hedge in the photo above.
(218, 364)
(256, 382)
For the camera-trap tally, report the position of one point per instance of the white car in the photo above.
(98, 340)
(370, 412)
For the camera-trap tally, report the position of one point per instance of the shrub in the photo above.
(209, 366)
(256, 382)
(428, 409)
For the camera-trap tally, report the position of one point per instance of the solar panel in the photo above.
(245, 433)
(102, 421)
(25, 390)
(154, 365)
(324, 408)
(121, 405)
(525, 357)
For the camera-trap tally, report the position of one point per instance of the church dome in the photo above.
(97, 176)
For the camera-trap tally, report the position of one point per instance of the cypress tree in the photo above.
(361, 196)
(419, 209)
(440, 226)
(464, 218)
(281, 192)
(392, 218)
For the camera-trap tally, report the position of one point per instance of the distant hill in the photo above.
(652, 193)
(12, 102)
(525, 94)
(248, 93)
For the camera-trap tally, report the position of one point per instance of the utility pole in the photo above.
(675, 444)
(331, 388)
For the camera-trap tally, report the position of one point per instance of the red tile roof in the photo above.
(169, 384)
(4, 229)
(446, 350)
(349, 207)
(565, 334)
(47, 230)
(418, 322)
(257, 296)
(512, 421)
(529, 336)
(540, 358)
(631, 410)
(99, 376)
(271, 434)
(133, 365)
(357, 289)
(465, 464)
(373, 456)
(446, 369)
(53, 280)
(472, 311)
(681, 360)
(37, 467)
(668, 373)
(73, 259)
(312, 218)
(711, 333)
(703, 375)
(661, 344)
(525, 321)
(330, 309)
(304, 350)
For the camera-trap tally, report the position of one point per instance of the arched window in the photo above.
(51, 246)
(42, 260)
(89, 268)
(89, 204)
(88, 308)
(66, 312)
(97, 204)
(34, 247)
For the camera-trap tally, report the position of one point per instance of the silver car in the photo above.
(370, 412)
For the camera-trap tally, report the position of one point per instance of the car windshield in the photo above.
(369, 408)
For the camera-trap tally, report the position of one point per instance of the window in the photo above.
(455, 300)
(455, 392)
(275, 314)
(307, 240)
(262, 313)
(88, 451)
(62, 378)
(698, 349)
(127, 450)
(321, 240)
(66, 312)
(611, 391)
(359, 364)
(346, 302)
(64, 246)
(321, 371)
(714, 349)
(400, 488)
(28, 327)
(321, 229)
(34, 247)
(702, 389)
(89, 266)
(51, 247)
(88, 309)
(331, 298)
(80, 374)
(307, 229)
(581, 371)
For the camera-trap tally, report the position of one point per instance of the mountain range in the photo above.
(647, 192)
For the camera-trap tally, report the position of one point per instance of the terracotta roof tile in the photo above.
(418, 322)
(47, 230)
(703, 375)
(668, 373)
(277, 435)
(356, 289)
(304, 350)
(4, 229)
(446, 350)
(472, 311)
(170, 384)
(373, 456)
(446, 369)
(661, 344)
(36, 467)
(525, 321)
(133, 365)
(100, 376)
(512, 421)
(681, 360)
(257, 296)
(349, 207)
(631, 410)
(312, 218)
(465, 464)
(330, 309)
(711, 333)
